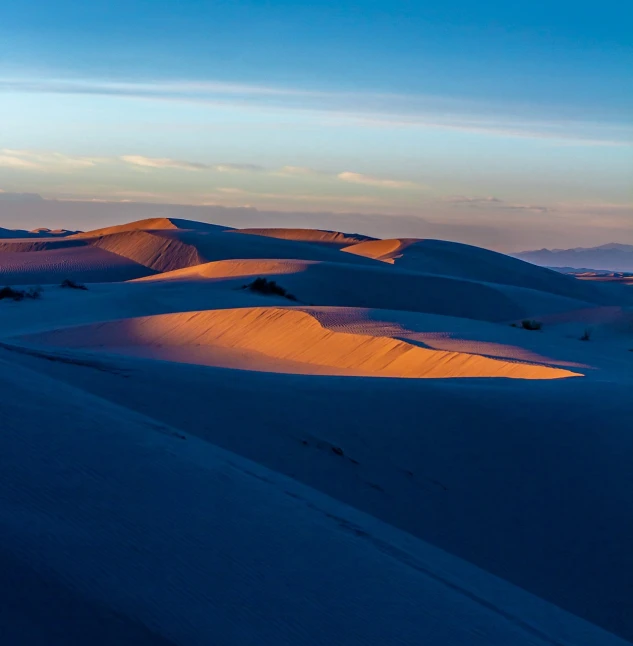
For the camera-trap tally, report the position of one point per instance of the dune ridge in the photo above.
(297, 336)
(318, 236)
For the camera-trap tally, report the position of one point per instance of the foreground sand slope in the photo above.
(116, 529)
(529, 480)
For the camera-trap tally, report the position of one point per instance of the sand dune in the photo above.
(152, 224)
(152, 251)
(485, 469)
(52, 265)
(383, 250)
(186, 460)
(169, 249)
(384, 287)
(332, 238)
(119, 530)
(290, 338)
(445, 258)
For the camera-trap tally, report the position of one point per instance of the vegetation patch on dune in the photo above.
(71, 284)
(20, 294)
(269, 288)
(528, 324)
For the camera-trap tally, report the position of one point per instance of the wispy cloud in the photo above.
(42, 161)
(491, 202)
(167, 162)
(369, 180)
(238, 168)
(302, 171)
(11, 161)
(55, 161)
(370, 109)
(461, 199)
(289, 198)
(232, 191)
(162, 162)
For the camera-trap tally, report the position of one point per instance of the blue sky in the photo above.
(499, 113)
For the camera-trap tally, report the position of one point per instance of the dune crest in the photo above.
(383, 250)
(150, 224)
(319, 236)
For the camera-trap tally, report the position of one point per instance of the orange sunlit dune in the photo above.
(287, 337)
(384, 250)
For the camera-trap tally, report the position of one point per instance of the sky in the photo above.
(507, 117)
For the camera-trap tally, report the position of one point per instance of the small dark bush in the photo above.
(531, 325)
(268, 288)
(20, 294)
(9, 292)
(71, 284)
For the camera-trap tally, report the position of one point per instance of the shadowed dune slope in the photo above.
(152, 251)
(384, 287)
(117, 529)
(445, 258)
(79, 263)
(170, 249)
(288, 335)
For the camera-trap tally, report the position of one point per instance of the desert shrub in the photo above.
(268, 288)
(13, 294)
(586, 335)
(531, 325)
(20, 294)
(71, 284)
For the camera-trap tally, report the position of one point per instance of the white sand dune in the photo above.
(284, 340)
(465, 261)
(170, 249)
(152, 224)
(118, 530)
(79, 263)
(185, 461)
(384, 287)
(150, 250)
(317, 236)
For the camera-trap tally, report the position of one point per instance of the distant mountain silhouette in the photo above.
(607, 257)
(20, 197)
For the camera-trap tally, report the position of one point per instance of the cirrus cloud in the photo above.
(43, 161)
(238, 168)
(493, 202)
(370, 180)
(162, 162)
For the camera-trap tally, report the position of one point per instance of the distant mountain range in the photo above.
(608, 257)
